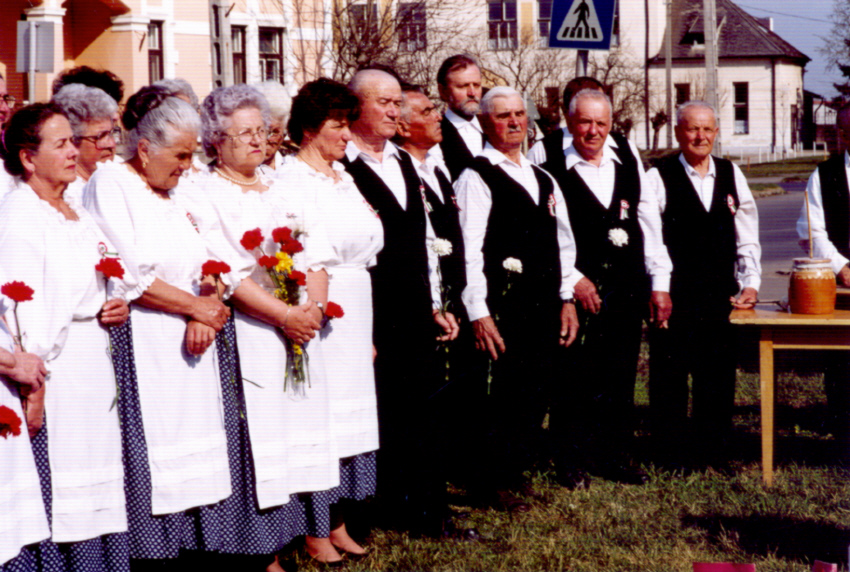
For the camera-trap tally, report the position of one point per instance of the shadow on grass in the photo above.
(786, 538)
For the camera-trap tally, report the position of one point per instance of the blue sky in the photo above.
(803, 24)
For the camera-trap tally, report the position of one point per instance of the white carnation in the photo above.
(618, 237)
(441, 247)
(513, 265)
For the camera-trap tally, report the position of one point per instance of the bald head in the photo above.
(366, 81)
(380, 102)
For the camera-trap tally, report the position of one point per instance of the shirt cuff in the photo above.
(753, 282)
(477, 310)
(568, 284)
(661, 282)
(838, 262)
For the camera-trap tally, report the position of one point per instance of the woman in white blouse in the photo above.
(290, 444)
(53, 247)
(321, 114)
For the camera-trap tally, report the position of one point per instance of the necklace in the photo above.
(236, 181)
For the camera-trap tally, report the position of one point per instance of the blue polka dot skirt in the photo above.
(108, 553)
(357, 479)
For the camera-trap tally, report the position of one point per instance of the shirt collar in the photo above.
(352, 152)
(573, 156)
(496, 157)
(462, 123)
(712, 172)
(847, 159)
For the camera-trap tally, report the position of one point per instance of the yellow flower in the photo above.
(298, 349)
(284, 262)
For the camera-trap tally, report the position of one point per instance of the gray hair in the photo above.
(161, 124)
(680, 112)
(221, 104)
(82, 104)
(500, 91)
(278, 97)
(590, 94)
(179, 86)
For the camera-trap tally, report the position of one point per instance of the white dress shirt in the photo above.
(470, 131)
(537, 153)
(475, 202)
(823, 247)
(748, 272)
(600, 180)
(389, 170)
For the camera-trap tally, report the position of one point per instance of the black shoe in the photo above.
(573, 479)
(452, 531)
(509, 502)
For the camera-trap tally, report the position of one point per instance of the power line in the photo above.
(784, 14)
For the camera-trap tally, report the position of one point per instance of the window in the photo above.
(742, 108)
(683, 93)
(237, 42)
(544, 21)
(271, 54)
(364, 21)
(411, 26)
(155, 66)
(501, 17)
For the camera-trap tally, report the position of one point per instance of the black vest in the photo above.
(553, 144)
(702, 244)
(445, 220)
(400, 287)
(456, 154)
(836, 202)
(519, 228)
(614, 269)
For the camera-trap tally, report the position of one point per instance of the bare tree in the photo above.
(836, 46)
(624, 79)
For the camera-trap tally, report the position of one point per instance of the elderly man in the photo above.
(618, 241)
(829, 203)
(710, 227)
(90, 111)
(520, 258)
(459, 84)
(405, 311)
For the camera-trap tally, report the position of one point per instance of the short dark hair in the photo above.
(577, 84)
(23, 132)
(317, 102)
(454, 63)
(102, 79)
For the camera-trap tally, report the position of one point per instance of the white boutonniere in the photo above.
(618, 237)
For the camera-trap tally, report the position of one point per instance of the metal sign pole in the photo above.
(31, 63)
(581, 63)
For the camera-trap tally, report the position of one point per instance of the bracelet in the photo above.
(286, 316)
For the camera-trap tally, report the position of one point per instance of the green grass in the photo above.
(799, 166)
(675, 519)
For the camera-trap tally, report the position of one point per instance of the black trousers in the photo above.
(836, 380)
(592, 417)
(701, 342)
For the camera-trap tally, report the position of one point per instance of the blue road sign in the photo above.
(582, 24)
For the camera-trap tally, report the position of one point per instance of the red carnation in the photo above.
(334, 310)
(299, 277)
(268, 262)
(9, 422)
(252, 239)
(214, 268)
(291, 246)
(282, 234)
(17, 291)
(110, 268)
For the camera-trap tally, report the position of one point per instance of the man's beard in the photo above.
(469, 108)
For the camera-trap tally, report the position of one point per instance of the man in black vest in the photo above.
(459, 84)
(520, 256)
(710, 227)
(618, 241)
(410, 478)
(829, 205)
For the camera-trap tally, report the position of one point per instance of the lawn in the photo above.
(673, 520)
(802, 166)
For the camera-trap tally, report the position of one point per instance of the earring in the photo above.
(144, 164)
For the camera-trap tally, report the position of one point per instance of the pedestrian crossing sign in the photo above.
(582, 24)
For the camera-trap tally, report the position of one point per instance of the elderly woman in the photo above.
(279, 103)
(290, 440)
(321, 114)
(50, 248)
(90, 111)
(179, 87)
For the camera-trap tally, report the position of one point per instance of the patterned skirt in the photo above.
(357, 479)
(234, 525)
(108, 553)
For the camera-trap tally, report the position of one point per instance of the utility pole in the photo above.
(581, 63)
(668, 70)
(710, 27)
(646, 72)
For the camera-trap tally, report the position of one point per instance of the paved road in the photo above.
(777, 232)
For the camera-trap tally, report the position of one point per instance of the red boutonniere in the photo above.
(9, 422)
(334, 310)
(110, 268)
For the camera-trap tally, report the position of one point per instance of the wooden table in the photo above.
(781, 330)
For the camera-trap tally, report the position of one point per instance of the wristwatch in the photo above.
(320, 306)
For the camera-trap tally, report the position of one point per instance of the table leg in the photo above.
(767, 403)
